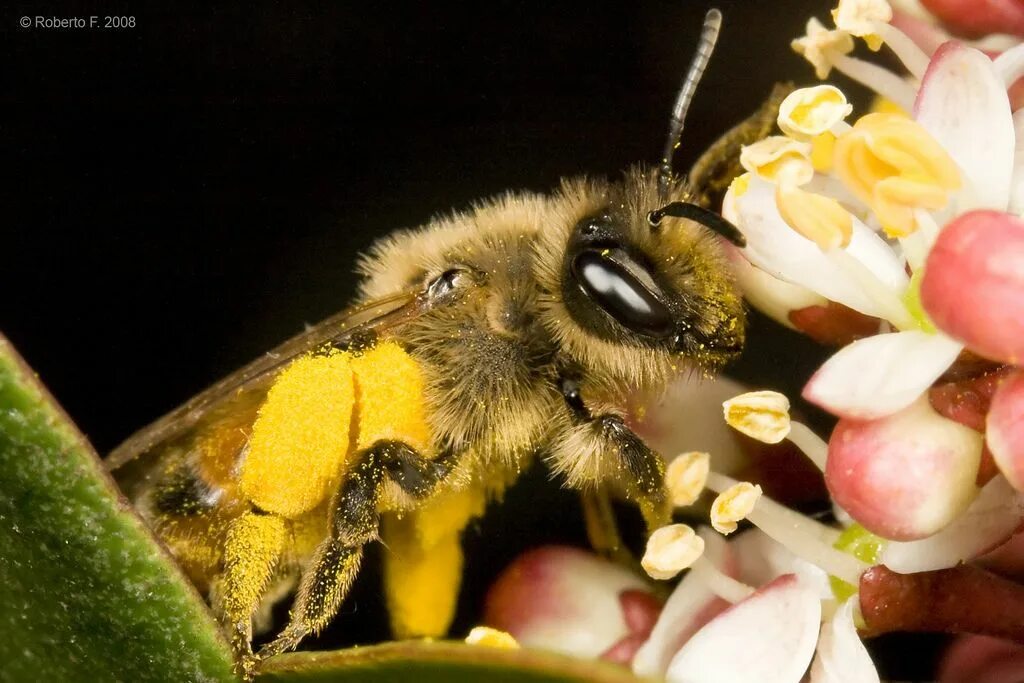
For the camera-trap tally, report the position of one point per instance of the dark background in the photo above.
(183, 195)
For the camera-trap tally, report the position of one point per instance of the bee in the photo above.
(480, 342)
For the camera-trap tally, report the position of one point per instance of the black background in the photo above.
(183, 195)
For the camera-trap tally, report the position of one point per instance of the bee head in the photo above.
(631, 290)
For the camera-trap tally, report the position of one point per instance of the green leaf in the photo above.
(86, 593)
(427, 661)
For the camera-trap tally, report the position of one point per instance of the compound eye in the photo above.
(612, 280)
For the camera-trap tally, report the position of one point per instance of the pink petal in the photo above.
(690, 607)
(964, 105)
(906, 476)
(990, 520)
(880, 375)
(982, 659)
(563, 599)
(842, 657)
(977, 17)
(769, 638)
(926, 34)
(973, 284)
(1005, 429)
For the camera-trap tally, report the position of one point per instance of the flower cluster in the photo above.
(896, 236)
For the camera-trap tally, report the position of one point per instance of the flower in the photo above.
(906, 217)
(571, 601)
(695, 638)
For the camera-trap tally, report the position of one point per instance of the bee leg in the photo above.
(719, 164)
(637, 467)
(354, 523)
(643, 470)
(252, 549)
(602, 528)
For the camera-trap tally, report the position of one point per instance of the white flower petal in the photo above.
(780, 251)
(991, 519)
(1010, 65)
(774, 297)
(691, 605)
(880, 375)
(1017, 184)
(763, 559)
(769, 638)
(964, 105)
(842, 657)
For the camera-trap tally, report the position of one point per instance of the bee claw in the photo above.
(246, 667)
(289, 639)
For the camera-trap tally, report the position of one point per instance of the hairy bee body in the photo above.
(479, 377)
(481, 341)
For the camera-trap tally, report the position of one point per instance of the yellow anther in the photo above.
(737, 188)
(820, 46)
(819, 218)
(778, 159)
(491, 637)
(670, 550)
(894, 165)
(822, 150)
(861, 18)
(883, 105)
(808, 112)
(686, 476)
(761, 415)
(895, 202)
(733, 505)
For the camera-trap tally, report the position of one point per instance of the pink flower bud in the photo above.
(973, 285)
(1005, 429)
(833, 324)
(571, 601)
(904, 476)
(971, 19)
(967, 401)
(982, 659)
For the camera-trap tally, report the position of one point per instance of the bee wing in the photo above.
(244, 390)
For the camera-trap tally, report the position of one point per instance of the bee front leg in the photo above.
(355, 522)
(597, 451)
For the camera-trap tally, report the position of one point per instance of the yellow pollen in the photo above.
(819, 218)
(861, 18)
(491, 637)
(733, 505)
(820, 46)
(808, 112)
(761, 415)
(894, 165)
(740, 184)
(883, 105)
(670, 550)
(301, 436)
(778, 158)
(822, 150)
(686, 476)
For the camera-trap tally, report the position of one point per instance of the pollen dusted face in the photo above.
(631, 298)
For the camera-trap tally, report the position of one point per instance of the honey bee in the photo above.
(480, 341)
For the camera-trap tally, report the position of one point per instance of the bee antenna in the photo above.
(705, 46)
(709, 219)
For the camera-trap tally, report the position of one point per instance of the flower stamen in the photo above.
(670, 550)
(733, 505)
